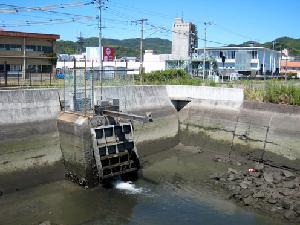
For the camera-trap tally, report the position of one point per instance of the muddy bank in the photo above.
(268, 189)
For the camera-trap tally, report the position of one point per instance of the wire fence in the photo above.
(17, 79)
(111, 77)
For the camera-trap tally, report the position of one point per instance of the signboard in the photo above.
(108, 54)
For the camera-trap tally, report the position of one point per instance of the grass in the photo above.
(278, 92)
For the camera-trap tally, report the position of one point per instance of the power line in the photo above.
(17, 9)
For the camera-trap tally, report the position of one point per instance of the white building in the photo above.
(247, 60)
(184, 39)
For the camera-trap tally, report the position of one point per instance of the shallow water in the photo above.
(173, 189)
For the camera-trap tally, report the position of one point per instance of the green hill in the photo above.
(292, 44)
(126, 47)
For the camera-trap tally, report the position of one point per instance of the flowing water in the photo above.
(173, 189)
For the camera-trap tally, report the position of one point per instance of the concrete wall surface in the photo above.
(29, 142)
(231, 98)
(138, 98)
(259, 131)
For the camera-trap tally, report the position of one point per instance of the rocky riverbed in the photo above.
(273, 190)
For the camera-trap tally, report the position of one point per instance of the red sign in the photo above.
(108, 54)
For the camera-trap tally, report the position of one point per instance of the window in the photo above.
(15, 67)
(46, 68)
(10, 47)
(254, 54)
(30, 48)
(46, 49)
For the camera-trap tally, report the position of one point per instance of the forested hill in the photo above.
(126, 47)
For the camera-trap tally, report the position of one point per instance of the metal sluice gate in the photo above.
(114, 150)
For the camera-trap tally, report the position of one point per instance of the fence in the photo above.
(16, 79)
(110, 77)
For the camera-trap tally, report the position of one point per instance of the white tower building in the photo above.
(184, 39)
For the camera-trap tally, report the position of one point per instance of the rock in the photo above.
(290, 215)
(268, 176)
(238, 164)
(248, 201)
(286, 204)
(255, 174)
(286, 191)
(215, 176)
(244, 185)
(217, 159)
(276, 195)
(258, 182)
(259, 194)
(290, 184)
(230, 170)
(297, 208)
(276, 209)
(233, 177)
(259, 166)
(288, 174)
(272, 201)
(277, 177)
(45, 223)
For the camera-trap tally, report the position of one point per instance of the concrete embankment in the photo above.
(259, 131)
(29, 139)
(29, 143)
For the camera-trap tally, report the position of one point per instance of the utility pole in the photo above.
(141, 21)
(205, 34)
(100, 5)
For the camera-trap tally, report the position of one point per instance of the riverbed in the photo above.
(173, 188)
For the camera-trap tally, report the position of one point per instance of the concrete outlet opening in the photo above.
(179, 104)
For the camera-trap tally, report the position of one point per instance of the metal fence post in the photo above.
(18, 78)
(41, 78)
(50, 79)
(29, 78)
(5, 74)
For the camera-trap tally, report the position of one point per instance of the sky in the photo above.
(233, 21)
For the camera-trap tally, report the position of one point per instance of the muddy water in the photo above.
(173, 189)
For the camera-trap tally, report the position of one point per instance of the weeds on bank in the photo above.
(172, 77)
(278, 92)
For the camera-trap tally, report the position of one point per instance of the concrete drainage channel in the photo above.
(205, 116)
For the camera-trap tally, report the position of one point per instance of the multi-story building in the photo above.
(25, 53)
(184, 39)
(246, 60)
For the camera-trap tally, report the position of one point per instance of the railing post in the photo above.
(29, 78)
(18, 78)
(50, 79)
(5, 74)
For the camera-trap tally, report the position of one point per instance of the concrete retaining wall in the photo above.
(256, 130)
(29, 143)
(229, 98)
(29, 137)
